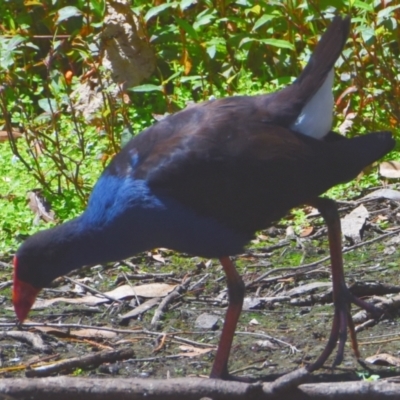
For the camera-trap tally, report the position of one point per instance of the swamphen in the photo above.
(204, 180)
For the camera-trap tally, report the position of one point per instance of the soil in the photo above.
(282, 332)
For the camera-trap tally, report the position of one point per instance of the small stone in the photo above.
(207, 321)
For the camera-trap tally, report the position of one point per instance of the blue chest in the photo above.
(129, 217)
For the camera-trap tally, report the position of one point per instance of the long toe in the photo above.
(342, 321)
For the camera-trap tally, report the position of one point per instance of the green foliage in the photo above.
(203, 48)
(300, 219)
(78, 372)
(367, 376)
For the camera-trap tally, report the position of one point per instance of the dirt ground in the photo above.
(285, 325)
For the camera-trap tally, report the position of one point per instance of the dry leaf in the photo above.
(353, 223)
(147, 305)
(153, 290)
(383, 359)
(39, 205)
(306, 231)
(390, 169)
(349, 90)
(389, 194)
(347, 124)
(41, 304)
(266, 344)
(186, 62)
(307, 288)
(290, 232)
(93, 333)
(149, 291)
(52, 331)
(158, 258)
(4, 135)
(262, 237)
(311, 212)
(191, 351)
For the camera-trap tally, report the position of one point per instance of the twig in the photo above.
(151, 359)
(134, 291)
(196, 284)
(150, 275)
(31, 338)
(162, 343)
(92, 360)
(92, 290)
(5, 265)
(299, 269)
(6, 284)
(167, 299)
(293, 349)
(252, 366)
(120, 331)
(315, 263)
(192, 342)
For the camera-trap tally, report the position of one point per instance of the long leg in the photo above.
(235, 297)
(342, 298)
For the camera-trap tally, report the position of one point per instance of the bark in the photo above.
(65, 388)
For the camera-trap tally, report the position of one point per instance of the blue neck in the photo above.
(125, 217)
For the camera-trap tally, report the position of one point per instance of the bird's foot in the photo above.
(342, 320)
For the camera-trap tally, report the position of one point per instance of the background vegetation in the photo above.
(204, 48)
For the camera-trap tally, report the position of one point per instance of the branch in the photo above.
(65, 388)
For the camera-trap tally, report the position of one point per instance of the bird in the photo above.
(204, 180)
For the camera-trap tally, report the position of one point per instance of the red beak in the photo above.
(24, 295)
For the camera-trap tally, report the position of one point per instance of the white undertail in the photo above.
(316, 117)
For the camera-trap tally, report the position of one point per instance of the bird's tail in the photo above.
(286, 105)
(323, 58)
(353, 155)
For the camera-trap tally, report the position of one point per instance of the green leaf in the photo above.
(183, 24)
(66, 13)
(14, 42)
(146, 88)
(263, 20)
(365, 6)
(48, 105)
(98, 7)
(186, 4)
(172, 77)
(204, 18)
(211, 51)
(246, 40)
(191, 78)
(367, 33)
(283, 44)
(385, 13)
(158, 9)
(8, 50)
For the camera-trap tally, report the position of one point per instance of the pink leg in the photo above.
(235, 298)
(342, 298)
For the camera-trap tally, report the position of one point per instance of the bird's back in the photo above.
(221, 160)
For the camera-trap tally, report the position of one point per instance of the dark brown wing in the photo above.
(222, 161)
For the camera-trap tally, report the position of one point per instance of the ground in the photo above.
(284, 331)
